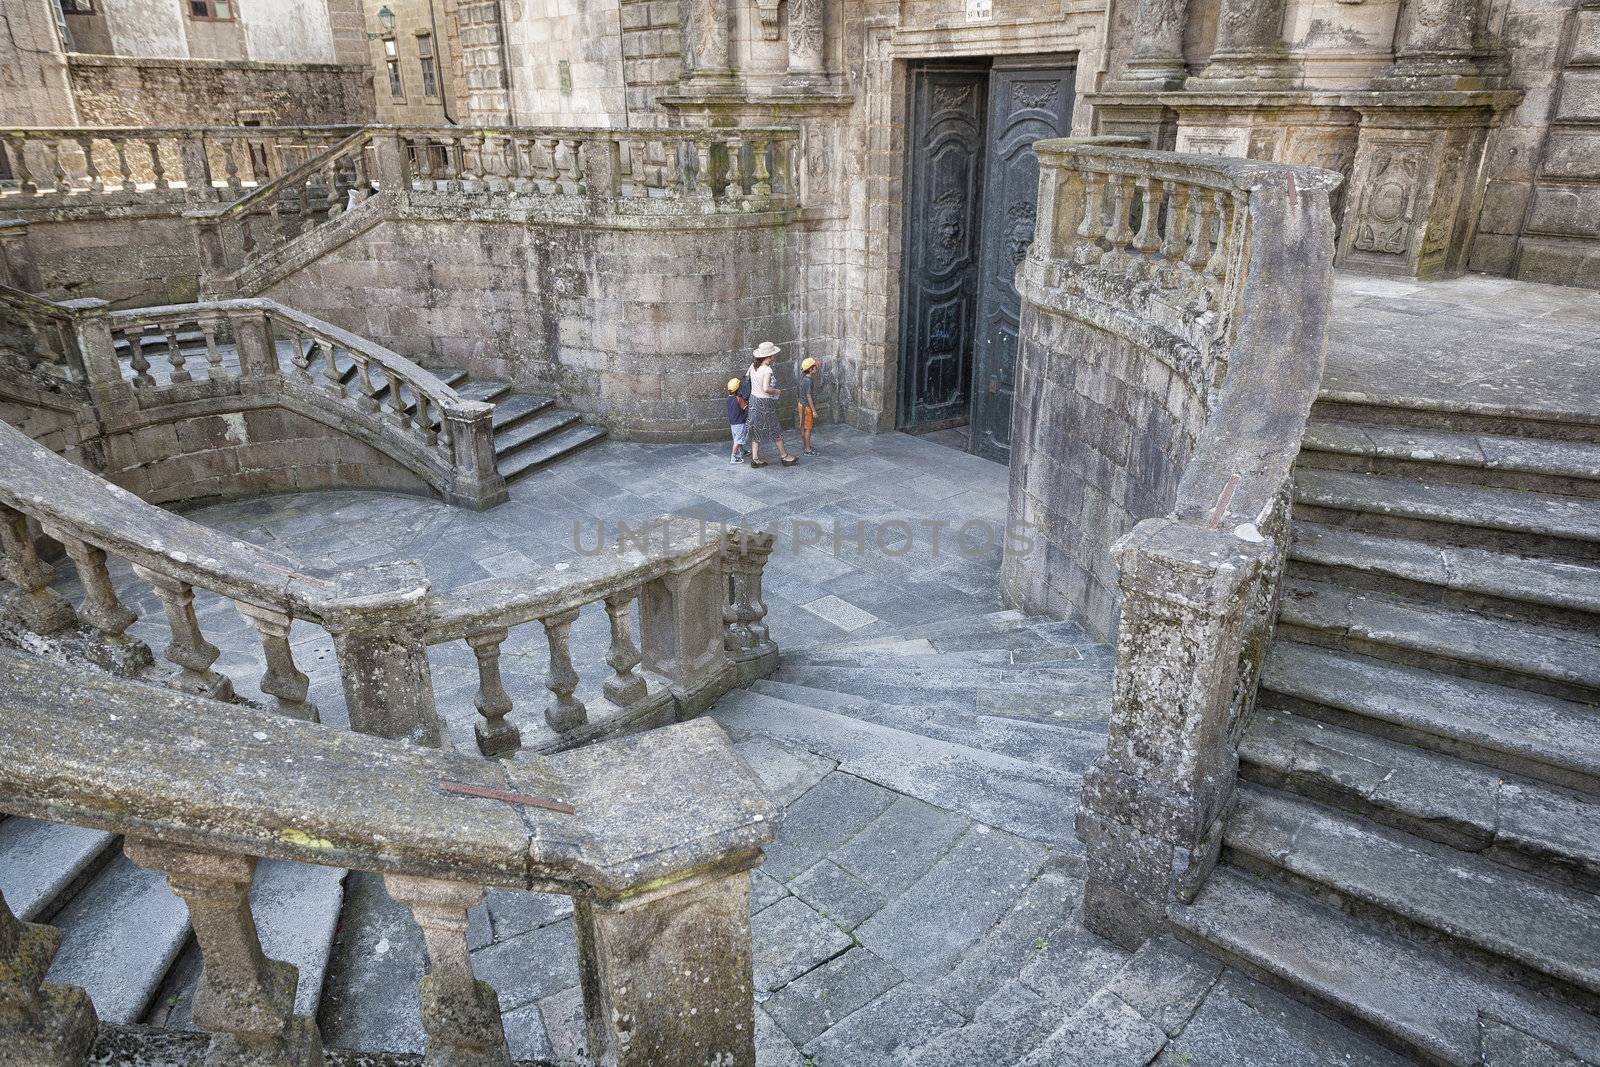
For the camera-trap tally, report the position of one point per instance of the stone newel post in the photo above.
(40, 1025)
(1249, 53)
(394, 166)
(378, 619)
(91, 328)
(667, 976)
(475, 480)
(252, 332)
(197, 187)
(680, 619)
(1153, 806)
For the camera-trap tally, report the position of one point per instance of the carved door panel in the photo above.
(939, 287)
(1026, 103)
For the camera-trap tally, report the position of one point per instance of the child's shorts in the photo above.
(741, 433)
(803, 416)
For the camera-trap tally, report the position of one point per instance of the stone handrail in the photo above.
(1222, 270)
(699, 594)
(653, 836)
(108, 166)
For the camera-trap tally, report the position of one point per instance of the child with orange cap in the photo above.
(738, 420)
(806, 409)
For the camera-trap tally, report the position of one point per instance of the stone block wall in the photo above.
(652, 56)
(138, 259)
(570, 64)
(636, 328)
(242, 453)
(34, 90)
(128, 91)
(1101, 432)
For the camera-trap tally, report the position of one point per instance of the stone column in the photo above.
(40, 1025)
(808, 40)
(1151, 815)
(680, 622)
(1157, 59)
(460, 1013)
(704, 26)
(245, 1000)
(1249, 53)
(378, 619)
(1433, 45)
(644, 962)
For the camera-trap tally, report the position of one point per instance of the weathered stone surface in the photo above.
(906, 1018)
(815, 1002)
(1103, 1031)
(791, 939)
(834, 810)
(1018, 939)
(843, 898)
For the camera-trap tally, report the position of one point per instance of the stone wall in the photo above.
(1101, 433)
(137, 259)
(412, 19)
(637, 328)
(122, 91)
(34, 90)
(570, 69)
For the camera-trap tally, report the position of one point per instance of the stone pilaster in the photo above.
(705, 29)
(808, 41)
(1249, 53)
(1433, 46)
(1152, 808)
(1157, 60)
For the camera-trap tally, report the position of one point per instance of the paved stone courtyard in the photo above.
(921, 902)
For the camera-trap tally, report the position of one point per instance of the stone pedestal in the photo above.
(680, 623)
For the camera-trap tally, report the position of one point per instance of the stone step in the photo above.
(1040, 656)
(43, 863)
(1517, 821)
(1565, 591)
(119, 936)
(546, 451)
(1431, 889)
(1417, 996)
(898, 684)
(515, 408)
(1542, 737)
(1504, 422)
(1541, 465)
(1025, 799)
(509, 440)
(484, 390)
(968, 635)
(1066, 747)
(1500, 519)
(1557, 660)
(996, 622)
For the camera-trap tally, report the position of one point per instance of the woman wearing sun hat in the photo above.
(764, 406)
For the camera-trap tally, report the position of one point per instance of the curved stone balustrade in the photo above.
(653, 836)
(203, 359)
(106, 167)
(698, 591)
(1174, 323)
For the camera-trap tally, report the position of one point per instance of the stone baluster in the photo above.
(91, 170)
(460, 1013)
(396, 403)
(680, 623)
(377, 616)
(333, 203)
(40, 1025)
(552, 172)
(746, 638)
(1151, 191)
(124, 169)
(245, 1000)
(580, 173)
(1200, 223)
(137, 359)
(366, 392)
(807, 43)
(158, 166)
(176, 360)
(1226, 213)
(1152, 808)
(641, 959)
(496, 735)
(300, 356)
(59, 177)
(1175, 242)
(423, 150)
(282, 679)
(762, 184)
(208, 330)
(1433, 46)
(702, 169)
(1120, 232)
(705, 29)
(627, 686)
(1249, 52)
(230, 166)
(16, 152)
(567, 711)
(332, 379)
(475, 482)
(188, 648)
(729, 186)
(426, 421)
(102, 611)
(40, 608)
(1092, 222)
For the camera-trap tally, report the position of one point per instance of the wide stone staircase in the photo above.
(1416, 842)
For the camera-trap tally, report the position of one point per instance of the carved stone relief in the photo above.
(1385, 213)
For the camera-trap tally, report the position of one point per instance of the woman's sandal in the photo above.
(789, 461)
(758, 463)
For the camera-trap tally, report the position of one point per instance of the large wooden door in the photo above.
(1027, 101)
(944, 175)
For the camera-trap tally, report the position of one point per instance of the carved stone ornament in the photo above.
(1383, 223)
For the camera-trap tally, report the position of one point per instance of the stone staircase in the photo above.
(530, 431)
(1416, 842)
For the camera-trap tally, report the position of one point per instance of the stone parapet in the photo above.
(1174, 322)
